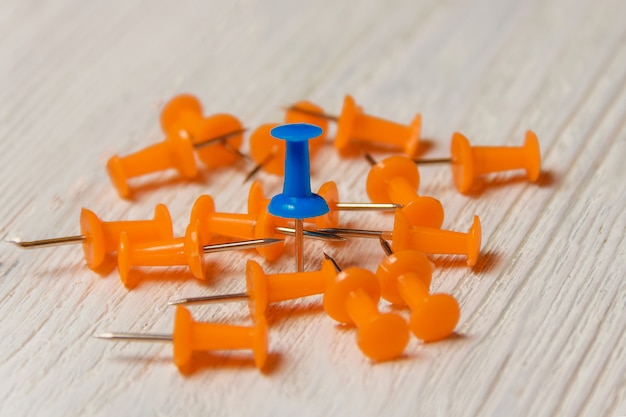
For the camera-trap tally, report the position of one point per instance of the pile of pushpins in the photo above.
(350, 296)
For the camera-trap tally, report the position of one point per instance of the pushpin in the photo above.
(99, 238)
(269, 153)
(297, 201)
(247, 226)
(187, 250)
(424, 239)
(404, 279)
(396, 180)
(356, 126)
(191, 336)
(263, 289)
(328, 191)
(185, 130)
(468, 162)
(352, 298)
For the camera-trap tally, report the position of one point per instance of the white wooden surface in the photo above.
(542, 331)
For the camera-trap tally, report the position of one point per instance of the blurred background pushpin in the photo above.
(353, 125)
(297, 201)
(269, 153)
(216, 139)
(468, 161)
(99, 237)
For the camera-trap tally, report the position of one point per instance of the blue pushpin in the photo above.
(297, 201)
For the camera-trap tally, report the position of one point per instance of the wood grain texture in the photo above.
(543, 325)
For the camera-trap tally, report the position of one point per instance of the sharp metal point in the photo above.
(210, 299)
(138, 337)
(244, 244)
(385, 245)
(334, 262)
(370, 159)
(57, 241)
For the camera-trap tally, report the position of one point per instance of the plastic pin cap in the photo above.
(297, 201)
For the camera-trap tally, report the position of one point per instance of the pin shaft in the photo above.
(221, 138)
(57, 241)
(385, 245)
(258, 166)
(136, 337)
(371, 234)
(333, 261)
(370, 159)
(299, 245)
(240, 296)
(313, 113)
(244, 244)
(313, 234)
(366, 206)
(433, 161)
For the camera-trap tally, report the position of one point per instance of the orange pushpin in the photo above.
(356, 126)
(99, 237)
(245, 226)
(257, 201)
(352, 298)
(424, 239)
(468, 161)
(191, 336)
(187, 250)
(396, 180)
(269, 152)
(263, 289)
(185, 130)
(404, 279)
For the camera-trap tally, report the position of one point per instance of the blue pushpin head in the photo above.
(297, 201)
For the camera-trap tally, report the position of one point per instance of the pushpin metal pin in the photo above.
(396, 180)
(257, 201)
(353, 125)
(297, 201)
(269, 153)
(99, 237)
(468, 161)
(404, 279)
(424, 239)
(187, 250)
(190, 336)
(352, 298)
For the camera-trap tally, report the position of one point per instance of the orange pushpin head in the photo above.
(103, 237)
(184, 113)
(396, 180)
(190, 336)
(354, 125)
(329, 192)
(470, 161)
(180, 251)
(405, 278)
(202, 208)
(397, 264)
(268, 151)
(257, 201)
(175, 152)
(351, 298)
(436, 241)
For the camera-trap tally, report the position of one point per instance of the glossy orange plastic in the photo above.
(396, 180)
(184, 113)
(243, 226)
(355, 125)
(469, 162)
(103, 237)
(352, 298)
(405, 278)
(191, 336)
(175, 152)
(436, 241)
(269, 152)
(257, 201)
(187, 250)
(264, 289)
